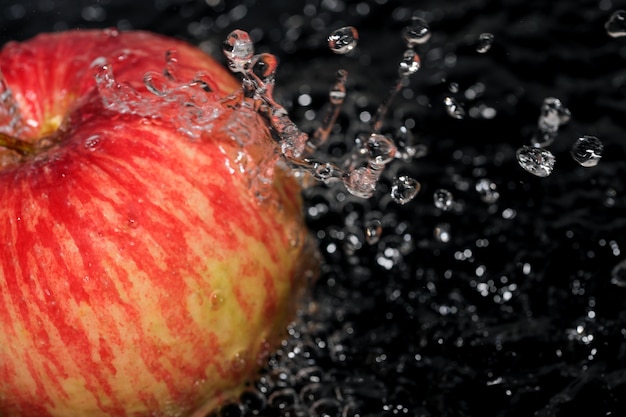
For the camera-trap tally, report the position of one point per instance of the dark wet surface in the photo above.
(522, 311)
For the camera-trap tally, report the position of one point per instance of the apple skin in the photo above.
(140, 275)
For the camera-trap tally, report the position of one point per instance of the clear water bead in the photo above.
(381, 149)
(553, 115)
(443, 199)
(404, 189)
(410, 63)
(373, 231)
(616, 25)
(453, 108)
(537, 161)
(418, 32)
(343, 40)
(361, 182)
(485, 40)
(238, 49)
(587, 151)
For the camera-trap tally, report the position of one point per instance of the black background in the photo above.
(409, 326)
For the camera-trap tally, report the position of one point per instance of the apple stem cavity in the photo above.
(22, 147)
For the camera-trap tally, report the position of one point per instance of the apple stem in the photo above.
(18, 145)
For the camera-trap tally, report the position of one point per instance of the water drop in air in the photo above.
(553, 115)
(443, 199)
(418, 32)
(381, 149)
(485, 40)
(343, 40)
(537, 161)
(442, 232)
(239, 49)
(404, 189)
(410, 63)
(373, 230)
(453, 108)
(616, 25)
(587, 151)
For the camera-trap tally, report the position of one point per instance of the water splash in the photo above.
(10, 117)
(361, 170)
(189, 101)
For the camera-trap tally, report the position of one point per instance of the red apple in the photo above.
(144, 268)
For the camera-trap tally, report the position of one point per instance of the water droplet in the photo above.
(587, 151)
(537, 161)
(10, 116)
(442, 232)
(553, 115)
(381, 149)
(361, 182)
(443, 199)
(417, 32)
(616, 25)
(326, 171)
(404, 189)
(343, 40)
(216, 300)
(92, 142)
(485, 40)
(283, 398)
(618, 274)
(453, 87)
(373, 231)
(253, 401)
(238, 49)
(487, 190)
(453, 108)
(409, 64)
